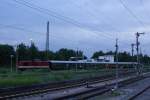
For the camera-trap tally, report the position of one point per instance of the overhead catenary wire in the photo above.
(49, 12)
(131, 13)
(106, 18)
(30, 31)
(58, 16)
(110, 38)
(40, 32)
(18, 28)
(66, 19)
(146, 13)
(93, 15)
(55, 37)
(21, 29)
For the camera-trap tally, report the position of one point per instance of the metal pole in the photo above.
(132, 54)
(77, 59)
(16, 58)
(11, 56)
(31, 44)
(117, 73)
(140, 58)
(137, 49)
(47, 41)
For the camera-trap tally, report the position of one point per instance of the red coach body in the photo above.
(32, 64)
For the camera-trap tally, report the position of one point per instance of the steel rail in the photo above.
(48, 89)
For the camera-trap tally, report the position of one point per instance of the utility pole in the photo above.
(132, 53)
(137, 49)
(31, 44)
(16, 46)
(140, 58)
(132, 46)
(17, 57)
(47, 41)
(117, 72)
(11, 62)
(76, 59)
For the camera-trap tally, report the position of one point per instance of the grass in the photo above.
(9, 81)
(29, 77)
(115, 93)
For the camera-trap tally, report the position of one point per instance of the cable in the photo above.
(131, 13)
(91, 14)
(56, 37)
(42, 10)
(26, 30)
(146, 13)
(19, 28)
(51, 13)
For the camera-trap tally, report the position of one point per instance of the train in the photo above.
(61, 65)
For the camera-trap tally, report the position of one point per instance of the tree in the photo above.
(145, 59)
(30, 53)
(97, 54)
(33, 52)
(110, 53)
(23, 52)
(5, 52)
(65, 54)
(42, 55)
(124, 57)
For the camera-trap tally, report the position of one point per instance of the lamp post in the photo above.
(11, 58)
(31, 41)
(16, 47)
(31, 55)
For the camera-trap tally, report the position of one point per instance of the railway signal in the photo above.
(137, 49)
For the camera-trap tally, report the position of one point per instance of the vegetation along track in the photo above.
(41, 88)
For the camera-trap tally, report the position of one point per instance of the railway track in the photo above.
(42, 88)
(139, 93)
(94, 91)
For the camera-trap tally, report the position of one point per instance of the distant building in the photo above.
(90, 60)
(106, 58)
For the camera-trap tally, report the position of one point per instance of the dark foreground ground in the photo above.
(128, 91)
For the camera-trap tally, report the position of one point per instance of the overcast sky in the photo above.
(89, 25)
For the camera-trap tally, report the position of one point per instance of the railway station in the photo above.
(74, 50)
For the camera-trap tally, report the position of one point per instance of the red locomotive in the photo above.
(32, 64)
